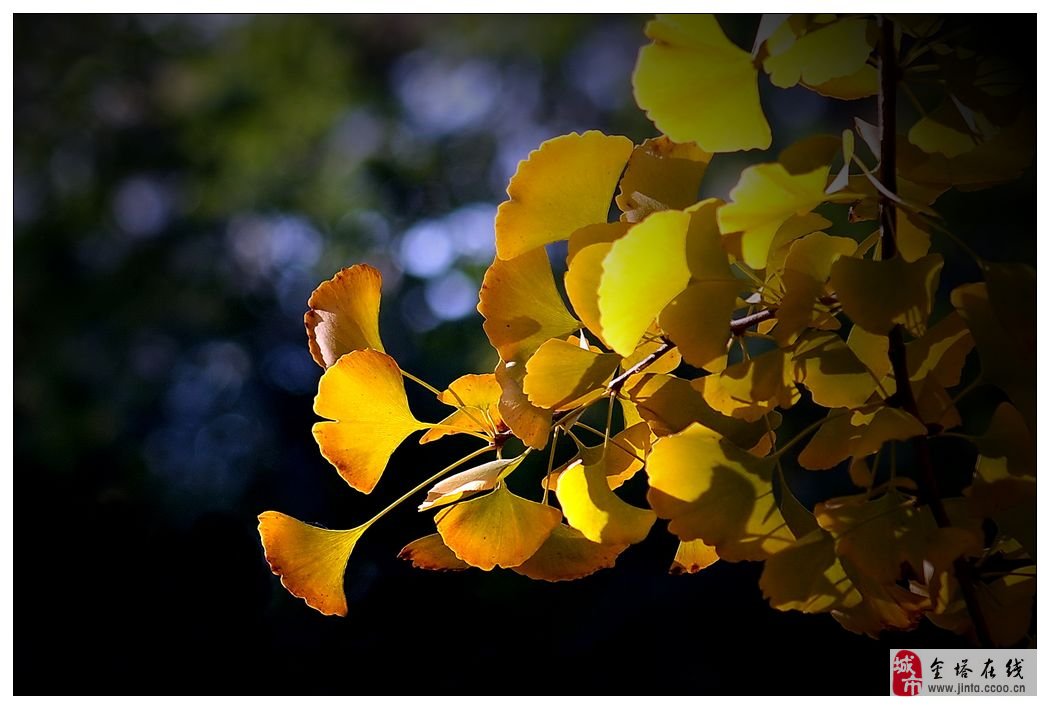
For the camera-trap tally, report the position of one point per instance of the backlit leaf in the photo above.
(693, 556)
(522, 307)
(697, 86)
(765, 197)
(713, 491)
(528, 422)
(941, 351)
(430, 553)
(566, 184)
(498, 529)
(588, 248)
(831, 371)
(310, 561)
(862, 83)
(470, 482)
(805, 273)
(568, 555)
(661, 171)
(823, 53)
(641, 273)
(808, 577)
(593, 508)
(880, 294)
(751, 388)
(364, 396)
(476, 397)
(344, 314)
(561, 374)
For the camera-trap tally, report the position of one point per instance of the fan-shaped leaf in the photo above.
(528, 422)
(430, 553)
(823, 53)
(663, 172)
(751, 388)
(880, 294)
(568, 555)
(471, 482)
(592, 507)
(561, 374)
(344, 314)
(476, 396)
(693, 556)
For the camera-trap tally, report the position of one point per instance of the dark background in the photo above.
(181, 185)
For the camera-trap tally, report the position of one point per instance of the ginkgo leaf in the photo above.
(621, 458)
(476, 397)
(941, 351)
(566, 184)
(568, 555)
(364, 395)
(642, 272)
(670, 404)
(528, 422)
(344, 314)
(593, 508)
(561, 374)
(880, 294)
(693, 556)
(824, 53)
(831, 443)
(805, 273)
(471, 482)
(522, 307)
(713, 491)
(751, 388)
(697, 86)
(943, 130)
(430, 553)
(862, 83)
(697, 319)
(808, 577)
(872, 350)
(1007, 353)
(840, 437)
(497, 529)
(764, 198)
(663, 172)
(588, 248)
(882, 606)
(311, 561)
(831, 371)
(652, 342)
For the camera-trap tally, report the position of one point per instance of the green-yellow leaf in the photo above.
(828, 52)
(593, 508)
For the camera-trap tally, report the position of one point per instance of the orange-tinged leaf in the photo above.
(880, 294)
(528, 422)
(522, 307)
(476, 397)
(823, 53)
(593, 508)
(765, 197)
(344, 314)
(430, 553)
(568, 555)
(808, 577)
(696, 85)
(310, 561)
(751, 388)
(364, 395)
(664, 172)
(470, 482)
(566, 184)
(693, 556)
(561, 374)
(642, 272)
(831, 371)
(713, 491)
(498, 529)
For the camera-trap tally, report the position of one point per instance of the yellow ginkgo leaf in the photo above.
(588, 248)
(344, 314)
(808, 577)
(430, 553)
(593, 508)
(842, 437)
(568, 555)
(860, 84)
(566, 184)
(823, 53)
(498, 529)
(652, 341)
(522, 307)
(471, 482)
(941, 351)
(805, 273)
(476, 397)
(697, 86)
(713, 491)
(528, 422)
(766, 196)
(310, 561)
(831, 371)
(880, 294)
(661, 172)
(561, 374)
(693, 556)
(643, 271)
(623, 457)
(750, 389)
(697, 319)
(364, 395)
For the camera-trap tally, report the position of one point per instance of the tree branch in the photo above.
(929, 491)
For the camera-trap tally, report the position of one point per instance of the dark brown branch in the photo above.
(904, 398)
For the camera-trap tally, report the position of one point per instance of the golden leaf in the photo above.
(344, 314)
(567, 555)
